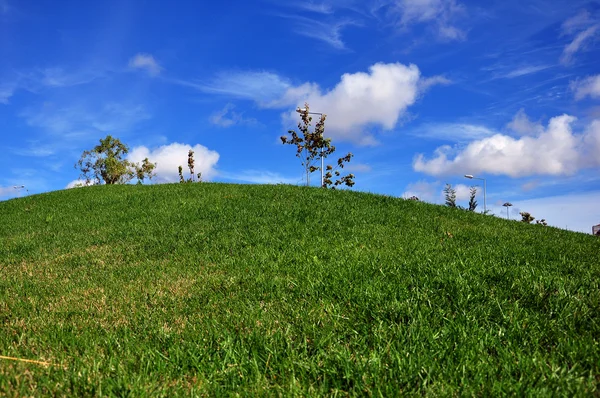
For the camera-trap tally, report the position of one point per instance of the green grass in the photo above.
(215, 289)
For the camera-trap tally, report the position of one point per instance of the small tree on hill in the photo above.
(311, 146)
(450, 195)
(106, 164)
(526, 217)
(193, 177)
(542, 222)
(472, 201)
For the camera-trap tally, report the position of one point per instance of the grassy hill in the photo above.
(214, 289)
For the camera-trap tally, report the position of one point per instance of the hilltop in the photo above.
(212, 289)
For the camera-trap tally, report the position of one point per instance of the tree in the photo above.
(526, 217)
(311, 146)
(106, 164)
(193, 177)
(542, 222)
(472, 201)
(450, 195)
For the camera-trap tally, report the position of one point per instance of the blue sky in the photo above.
(420, 91)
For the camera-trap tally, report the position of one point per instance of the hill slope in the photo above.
(213, 289)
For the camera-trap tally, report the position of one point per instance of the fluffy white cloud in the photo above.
(169, 157)
(145, 62)
(556, 150)
(589, 86)
(463, 192)
(79, 183)
(359, 105)
(361, 102)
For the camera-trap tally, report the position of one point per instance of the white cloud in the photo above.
(260, 177)
(4, 7)
(329, 32)
(79, 183)
(555, 151)
(169, 157)
(576, 212)
(442, 13)
(362, 102)
(7, 191)
(74, 121)
(6, 91)
(260, 86)
(590, 86)
(228, 117)
(577, 22)
(583, 28)
(359, 105)
(425, 191)
(358, 168)
(454, 132)
(463, 192)
(145, 62)
(522, 125)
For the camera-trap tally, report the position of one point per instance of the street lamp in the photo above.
(303, 110)
(20, 187)
(507, 205)
(470, 177)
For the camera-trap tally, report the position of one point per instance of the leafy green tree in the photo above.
(450, 195)
(106, 164)
(312, 145)
(472, 201)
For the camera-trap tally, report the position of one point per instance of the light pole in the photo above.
(470, 177)
(19, 188)
(302, 110)
(507, 205)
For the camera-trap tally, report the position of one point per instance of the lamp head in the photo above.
(469, 176)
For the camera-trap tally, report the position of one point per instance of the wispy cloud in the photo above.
(37, 80)
(442, 14)
(452, 132)
(583, 27)
(424, 190)
(6, 91)
(4, 7)
(260, 86)
(590, 86)
(228, 117)
(328, 31)
(72, 121)
(311, 6)
(145, 62)
(259, 177)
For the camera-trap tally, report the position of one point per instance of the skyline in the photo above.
(422, 92)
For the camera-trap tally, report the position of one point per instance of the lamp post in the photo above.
(470, 177)
(507, 205)
(19, 188)
(302, 110)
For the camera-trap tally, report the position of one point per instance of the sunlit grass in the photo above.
(213, 289)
